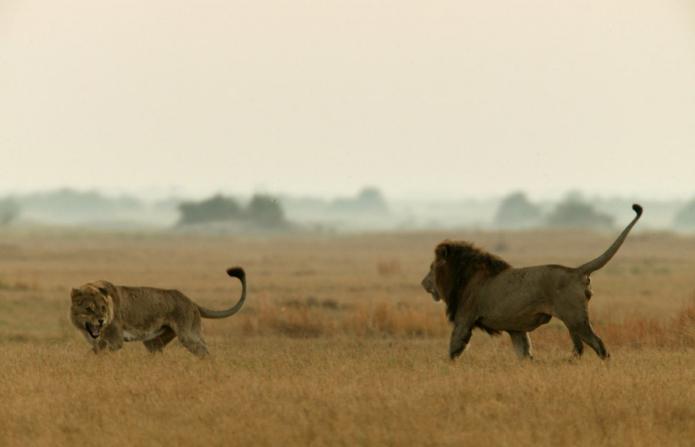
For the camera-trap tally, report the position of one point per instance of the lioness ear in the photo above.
(73, 294)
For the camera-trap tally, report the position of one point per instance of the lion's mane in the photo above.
(465, 265)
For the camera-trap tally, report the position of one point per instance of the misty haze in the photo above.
(373, 223)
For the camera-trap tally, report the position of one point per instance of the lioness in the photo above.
(481, 290)
(107, 315)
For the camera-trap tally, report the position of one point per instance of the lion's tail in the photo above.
(234, 272)
(602, 260)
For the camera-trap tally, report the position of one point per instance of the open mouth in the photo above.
(92, 330)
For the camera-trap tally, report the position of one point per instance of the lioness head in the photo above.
(91, 309)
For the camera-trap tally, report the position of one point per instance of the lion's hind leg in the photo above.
(583, 332)
(573, 310)
(157, 344)
(578, 344)
(522, 344)
(590, 338)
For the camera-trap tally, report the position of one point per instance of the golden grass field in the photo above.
(338, 345)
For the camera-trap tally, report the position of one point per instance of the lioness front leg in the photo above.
(111, 339)
(460, 337)
(99, 346)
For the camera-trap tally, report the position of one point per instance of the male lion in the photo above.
(481, 290)
(107, 315)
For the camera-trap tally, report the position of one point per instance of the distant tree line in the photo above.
(262, 210)
(517, 211)
(369, 200)
(685, 218)
(9, 211)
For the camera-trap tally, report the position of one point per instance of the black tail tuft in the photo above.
(637, 208)
(236, 272)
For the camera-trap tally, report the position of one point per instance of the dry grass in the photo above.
(278, 391)
(339, 346)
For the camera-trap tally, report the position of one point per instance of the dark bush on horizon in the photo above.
(369, 200)
(516, 211)
(265, 210)
(262, 211)
(9, 211)
(685, 217)
(573, 212)
(215, 209)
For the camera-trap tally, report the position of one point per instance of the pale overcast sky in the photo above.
(424, 99)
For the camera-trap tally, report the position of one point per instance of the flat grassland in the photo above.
(338, 345)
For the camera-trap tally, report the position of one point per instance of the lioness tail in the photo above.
(602, 260)
(234, 272)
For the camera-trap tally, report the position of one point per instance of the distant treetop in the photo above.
(685, 218)
(368, 200)
(9, 211)
(266, 211)
(262, 211)
(573, 212)
(516, 211)
(216, 208)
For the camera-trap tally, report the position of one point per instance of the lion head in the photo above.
(91, 308)
(456, 265)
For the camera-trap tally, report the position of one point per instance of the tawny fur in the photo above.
(481, 290)
(107, 315)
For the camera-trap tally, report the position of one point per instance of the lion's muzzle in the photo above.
(428, 285)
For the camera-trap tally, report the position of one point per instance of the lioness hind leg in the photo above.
(195, 344)
(188, 329)
(158, 344)
(522, 344)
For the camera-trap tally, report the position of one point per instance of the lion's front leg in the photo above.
(522, 344)
(460, 337)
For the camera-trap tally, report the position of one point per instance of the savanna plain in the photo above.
(339, 345)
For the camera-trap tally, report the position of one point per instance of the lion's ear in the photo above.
(74, 293)
(442, 251)
(104, 291)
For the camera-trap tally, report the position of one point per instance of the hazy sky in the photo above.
(425, 99)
